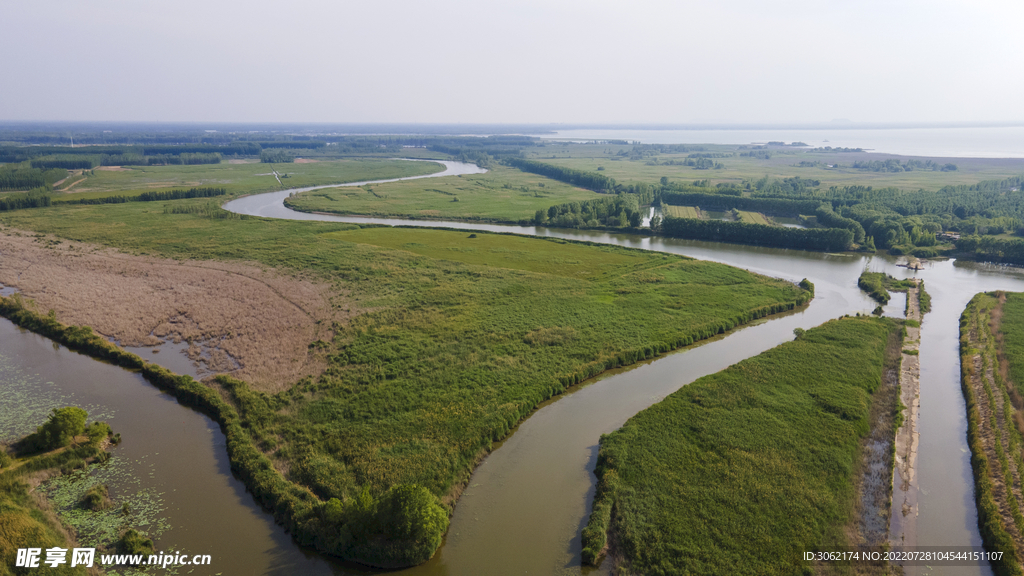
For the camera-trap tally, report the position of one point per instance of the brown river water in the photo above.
(527, 503)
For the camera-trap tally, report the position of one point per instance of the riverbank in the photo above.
(994, 433)
(779, 433)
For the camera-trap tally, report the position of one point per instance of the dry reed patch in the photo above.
(112, 168)
(305, 161)
(254, 323)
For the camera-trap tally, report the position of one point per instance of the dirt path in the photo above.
(903, 522)
(75, 183)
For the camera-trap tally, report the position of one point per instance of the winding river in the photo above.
(527, 503)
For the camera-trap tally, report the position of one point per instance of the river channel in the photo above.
(529, 500)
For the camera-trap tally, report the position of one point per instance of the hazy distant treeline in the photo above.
(589, 180)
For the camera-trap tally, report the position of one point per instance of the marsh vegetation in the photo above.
(744, 470)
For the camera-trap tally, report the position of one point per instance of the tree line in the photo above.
(19, 201)
(20, 177)
(894, 165)
(821, 239)
(151, 196)
(80, 163)
(276, 156)
(581, 178)
(991, 249)
(713, 201)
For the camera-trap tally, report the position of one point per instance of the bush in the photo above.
(134, 543)
(97, 498)
(97, 431)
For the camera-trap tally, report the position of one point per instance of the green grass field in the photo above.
(782, 164)
(742, 471)
(753, 218)
(681, 211)
(501, 195)
(245, 178)
(460, 338)
(1012, 329)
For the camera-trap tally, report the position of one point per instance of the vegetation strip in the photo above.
(742, 471)
(994, 428)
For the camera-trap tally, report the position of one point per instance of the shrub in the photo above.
(134, 543)
(97, 431)
(97, 498)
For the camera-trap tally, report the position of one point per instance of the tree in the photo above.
(636, 219)
(61, 428)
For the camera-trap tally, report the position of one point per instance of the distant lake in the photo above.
(936, 142)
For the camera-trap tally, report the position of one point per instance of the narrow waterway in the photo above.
(172, 463)
(528, 501)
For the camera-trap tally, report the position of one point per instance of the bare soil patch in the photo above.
(240, 161)
(112, 168)
(305, 161)
(254, 323)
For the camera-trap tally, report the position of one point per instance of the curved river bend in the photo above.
(528, 501)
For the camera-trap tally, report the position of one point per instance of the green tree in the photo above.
(412, 514)
(61, 428)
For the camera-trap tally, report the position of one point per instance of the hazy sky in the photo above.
(589, 61)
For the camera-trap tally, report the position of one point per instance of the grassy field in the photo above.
(681, 211)
(238, 178)
(783, 164)
(742, 471)
(501, 195)
(458, 339)
(990, 349)
(1012, 330)
(753, 218)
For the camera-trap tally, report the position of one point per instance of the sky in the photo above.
(524, 61)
